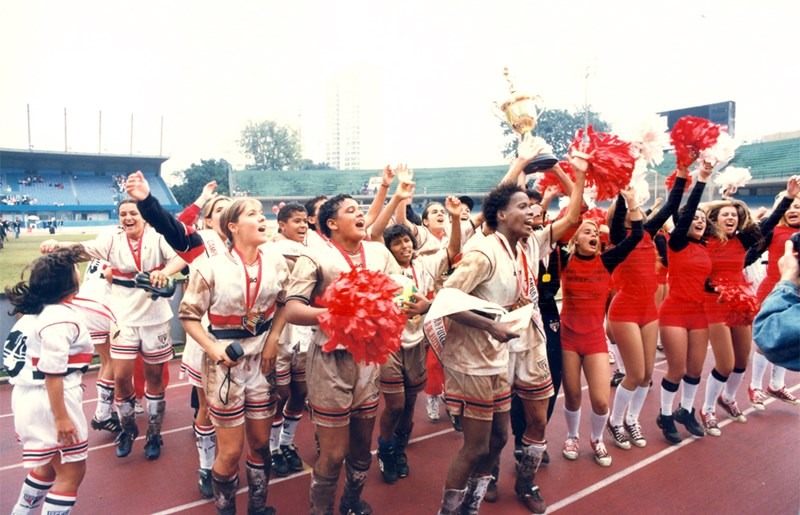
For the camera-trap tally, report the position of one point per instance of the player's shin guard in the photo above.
(476, 489)
(257, 481)
(354, 481)
(451, 501)
(105, 399)
(225, 493)
(322, 493)
(33, 490)
(58, 503)
(156, 406)
(206, 440)
(529, 463)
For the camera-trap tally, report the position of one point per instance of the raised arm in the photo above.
(679, 236)
(573, 213)
(404, 191)
(613, 257)
(792, 191)
(673, 202)
(376, 206)
(453, 207)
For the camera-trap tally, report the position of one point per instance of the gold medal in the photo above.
(545, 278)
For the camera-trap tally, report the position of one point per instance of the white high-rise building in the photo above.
(352, 120)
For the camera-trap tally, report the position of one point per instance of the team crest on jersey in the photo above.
(14, 351)
(252, 322)
(543, 365)
(162, 339)
(555, 325)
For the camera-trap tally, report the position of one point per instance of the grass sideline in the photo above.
(18, 253)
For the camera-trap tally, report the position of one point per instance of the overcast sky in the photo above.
(209, 67)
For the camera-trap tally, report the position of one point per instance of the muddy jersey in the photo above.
(427, 243)
(292, 334)
(236, 296)
(318, 267)
(133, 306)
(423, 272)
(55, 342)
(315, 239)
(100, 320)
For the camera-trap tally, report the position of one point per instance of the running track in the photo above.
(753, 468)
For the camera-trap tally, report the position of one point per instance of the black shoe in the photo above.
(279, 465)
(456, 421)
(358, 508)
(125, 442)
(531, 498)
(667, 425)
(688, 419)
(268, 510)
(387, 462)
(204, 484)
(545, 458)
(401, 463)
(110, 424)
(152, 448)
(617, 378)
(292, 457)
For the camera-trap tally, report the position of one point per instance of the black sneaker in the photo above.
(204, 484)
(110, 424)
(152, 448)
(688, 419)
(124, 442)
(456, 421)
(401, 462)
(279, 465)
(387, 462)
(545, 458)
(667, 425)
(617, 378)
(531, 498)
(292, 457)
(360, 507)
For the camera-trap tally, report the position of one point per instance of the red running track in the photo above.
(753, 468)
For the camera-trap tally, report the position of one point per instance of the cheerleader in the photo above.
(46, 354)
(241, 291)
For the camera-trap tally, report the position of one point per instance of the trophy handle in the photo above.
(499, 113)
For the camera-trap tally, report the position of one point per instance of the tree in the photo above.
(558, 128)
(271, 146)
(196, 176)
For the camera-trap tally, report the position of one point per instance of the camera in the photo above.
(234, 351)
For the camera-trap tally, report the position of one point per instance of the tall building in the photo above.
(352, 119)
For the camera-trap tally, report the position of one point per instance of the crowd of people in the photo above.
(258, 358)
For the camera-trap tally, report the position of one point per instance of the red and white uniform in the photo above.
(54, 342)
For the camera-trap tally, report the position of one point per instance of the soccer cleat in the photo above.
(732, 409)
(616, 378)
(636, 435)
(619, 435)
(601, 455)
(757, 398)
(531, 498)
(292, 457)
(387, 462)
(110, 424)
(667, 425)
(124, 442)
(357, 508)
(782, 394)
(152, 448)
(689, 420)
(279, 465)
(204, 483)
(571, 448)
(710, 423)
(432, 407)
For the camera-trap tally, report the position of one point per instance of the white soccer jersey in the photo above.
(56, 342)
(133, 306)
(100, 320)
(423, 272)
(95, 284)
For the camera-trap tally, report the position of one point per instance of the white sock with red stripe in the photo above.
(31, 494)
(105, 399)
(275, 433)
(291, 421)
(206, 440)
(58, 503)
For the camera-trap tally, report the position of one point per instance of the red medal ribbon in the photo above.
(137, 256)
(248, 301)
(346, 256)
(524, 286)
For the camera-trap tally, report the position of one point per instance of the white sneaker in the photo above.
(612, 358)
(432, 407)
(601, 455)
(138, 408)
(571, 448)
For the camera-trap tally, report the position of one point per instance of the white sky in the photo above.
(209, 67)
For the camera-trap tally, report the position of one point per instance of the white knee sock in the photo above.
(598, 425)
(206, 440)
(622, 399)
(734, 380)
(778, 378)
(759, 367)
(573, 419)
(33, 490)
(637, 403)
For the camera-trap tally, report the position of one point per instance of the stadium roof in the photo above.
(74, 161)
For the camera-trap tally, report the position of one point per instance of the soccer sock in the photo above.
(257, 482)
(621, 400)
(290, 423)
(637, 403)
(275, 433)
(668, 392)
(58, 503)
(573, 419)
(689, 391)
(156, 406)
(714, 385)
(778, 378)
(598, 425)
(33, 490)
(105, 399)
(759, 367)
(734, 380)
(206, 439)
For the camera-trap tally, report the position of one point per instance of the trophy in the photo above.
(521, 111)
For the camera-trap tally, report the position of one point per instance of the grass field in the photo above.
(17, 254)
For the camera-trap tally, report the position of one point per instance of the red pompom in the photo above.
(690, 135)
(550, 179)
(670, 181)
(597, 215)
(362, 315)
(611, 162)
(742, 304)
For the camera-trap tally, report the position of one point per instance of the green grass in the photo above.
(17, 254)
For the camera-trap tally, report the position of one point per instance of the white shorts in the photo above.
(35, 426)
(152, 341)
(238, 393)
(192, 362)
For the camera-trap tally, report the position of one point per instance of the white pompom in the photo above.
(732, 179)
(721, 153)
(650, 139)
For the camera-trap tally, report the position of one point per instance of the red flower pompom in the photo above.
(690, 136)
(597, 215)
(550, 179)
(743, 305)
(611, 162)
(670, 181)
(362, 315)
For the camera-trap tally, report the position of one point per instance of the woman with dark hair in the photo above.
(315, 237)
(46, 354)
(241, 291)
